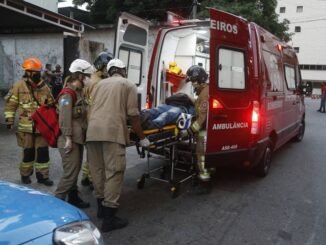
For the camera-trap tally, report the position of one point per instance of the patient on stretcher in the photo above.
(169, 112)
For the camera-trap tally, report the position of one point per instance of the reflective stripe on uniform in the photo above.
(195, 126)
(43, 165)
(9, 114)
(25, 165)
(25, 127)
(13, 99)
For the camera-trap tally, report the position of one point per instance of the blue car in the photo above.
(28, 216)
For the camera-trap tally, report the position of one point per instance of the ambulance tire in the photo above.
(262, 169)
(300, 135)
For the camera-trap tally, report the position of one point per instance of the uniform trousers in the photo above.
(71, 164)
(107, 164)
(35, 155)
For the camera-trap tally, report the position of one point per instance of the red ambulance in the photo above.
(255, 101)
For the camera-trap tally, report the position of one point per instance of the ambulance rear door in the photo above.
(231, 98)
(131, 46)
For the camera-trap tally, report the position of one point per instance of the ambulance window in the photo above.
(132, 59)
(231, 69)
(135, 34)
(290, 77)
(273, 65)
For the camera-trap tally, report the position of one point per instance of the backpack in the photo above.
(46, 121)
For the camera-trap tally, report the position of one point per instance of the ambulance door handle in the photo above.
(220, 116)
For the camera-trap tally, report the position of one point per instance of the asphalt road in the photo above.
(286, 207)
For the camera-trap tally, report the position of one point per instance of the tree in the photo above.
(261, 12)
(104, 11)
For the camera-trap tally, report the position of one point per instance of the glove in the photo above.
(10, 126)
(68, 145)
(144, 142)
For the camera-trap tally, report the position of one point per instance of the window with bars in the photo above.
(299, 9)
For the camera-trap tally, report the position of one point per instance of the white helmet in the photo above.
(115, 63)
(82, 66)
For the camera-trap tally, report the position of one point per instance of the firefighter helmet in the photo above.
(115, 65)
(102, 60)
(32, 64)
(81, 66)
(196, 73)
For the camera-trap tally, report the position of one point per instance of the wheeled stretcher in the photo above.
(178, 156)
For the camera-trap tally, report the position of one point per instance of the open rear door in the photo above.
(131, 46)
(230, 100)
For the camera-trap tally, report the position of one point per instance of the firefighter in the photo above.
(26, 96)
(100, 64)
(198, 76)
(114, 100)
(73, 124)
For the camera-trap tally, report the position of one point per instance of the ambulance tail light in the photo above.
(216, 104)
(255, 117)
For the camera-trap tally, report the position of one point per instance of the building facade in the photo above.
(308, 25)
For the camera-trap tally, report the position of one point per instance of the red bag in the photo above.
(46, 119)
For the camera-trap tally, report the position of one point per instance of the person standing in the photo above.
(73, 124)
(322, 99)
(26, 96)
(100, 64)
(198, 77)
(114, 100)
(56, 81)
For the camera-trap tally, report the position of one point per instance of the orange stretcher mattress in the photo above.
(157, 134)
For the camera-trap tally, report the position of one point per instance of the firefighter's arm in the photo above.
(65, 114)
(133, 113)
(50, 99)
(11, 105)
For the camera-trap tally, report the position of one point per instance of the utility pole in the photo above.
(194, 9)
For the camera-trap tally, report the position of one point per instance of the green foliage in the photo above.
(104, 11)
(261, 12)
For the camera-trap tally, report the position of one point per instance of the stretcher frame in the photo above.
(167, 144)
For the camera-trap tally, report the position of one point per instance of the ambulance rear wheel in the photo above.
(299, 136)
(264, 164)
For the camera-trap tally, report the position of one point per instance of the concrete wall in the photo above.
(14, 49)
(49, 48)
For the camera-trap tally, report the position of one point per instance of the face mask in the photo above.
(36, 77)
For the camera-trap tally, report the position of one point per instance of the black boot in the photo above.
(45, 181)
(75, 200)
(110, 221)
(85, 181)
(42, 180)
(26, 180)
(100, 208)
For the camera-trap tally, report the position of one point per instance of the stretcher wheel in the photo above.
(141, 182)
(174, 189)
